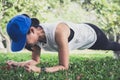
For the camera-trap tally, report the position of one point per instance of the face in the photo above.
(32, 37)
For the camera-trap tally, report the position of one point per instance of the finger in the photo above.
(28, 69)
(27, 63)
(9, 61)
(26, 66)
(13, 65)
(9, 64)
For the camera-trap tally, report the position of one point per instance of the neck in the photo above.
(42, 37)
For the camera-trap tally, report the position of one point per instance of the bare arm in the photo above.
(36, 54)
(35, 58)
(62, 34)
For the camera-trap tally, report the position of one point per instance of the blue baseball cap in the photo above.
(17, 29)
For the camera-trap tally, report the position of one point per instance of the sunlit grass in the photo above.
(87, 65)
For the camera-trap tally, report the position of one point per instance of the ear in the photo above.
(32, 29)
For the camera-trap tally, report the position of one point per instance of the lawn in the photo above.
(84, 65)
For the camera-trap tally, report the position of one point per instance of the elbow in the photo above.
(36, 61)
(66, 67)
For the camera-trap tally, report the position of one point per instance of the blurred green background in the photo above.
(104, 13)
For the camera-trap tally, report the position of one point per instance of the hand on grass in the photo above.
(21, 64)
(32, 68)
(11, 63)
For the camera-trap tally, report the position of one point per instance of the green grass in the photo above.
(88, 65)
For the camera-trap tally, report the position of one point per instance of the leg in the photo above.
(115, 47)
(112, 46)
(103, 43)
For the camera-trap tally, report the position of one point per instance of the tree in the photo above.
(110, 16)
(108, 13)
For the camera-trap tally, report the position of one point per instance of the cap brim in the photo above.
(17, 46)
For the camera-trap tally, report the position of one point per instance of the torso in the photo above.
(84, 36)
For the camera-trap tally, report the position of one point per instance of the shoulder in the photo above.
(61, 27)
(62, 31)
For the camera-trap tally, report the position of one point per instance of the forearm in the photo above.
(29, 62)
(56, 68)
(48, 69)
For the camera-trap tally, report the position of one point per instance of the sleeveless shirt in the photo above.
(84, 36)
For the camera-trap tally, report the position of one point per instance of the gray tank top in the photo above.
(84, 36)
